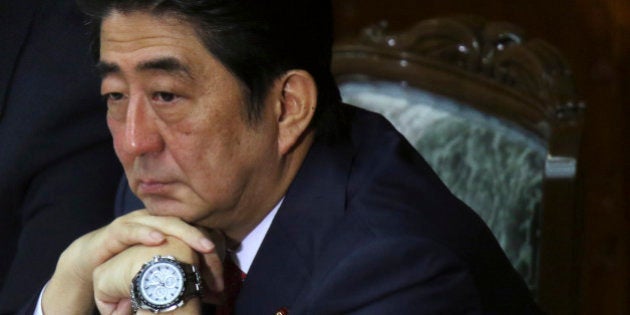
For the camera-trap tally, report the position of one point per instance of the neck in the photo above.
(271, 191)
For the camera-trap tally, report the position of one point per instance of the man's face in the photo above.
(178, 120)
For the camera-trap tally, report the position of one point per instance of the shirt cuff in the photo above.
(38, 308)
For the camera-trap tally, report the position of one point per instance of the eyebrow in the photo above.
(104, 68)
(166, 64)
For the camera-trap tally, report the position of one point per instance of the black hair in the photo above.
(257, 40)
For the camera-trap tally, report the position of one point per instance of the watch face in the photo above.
(162, 283)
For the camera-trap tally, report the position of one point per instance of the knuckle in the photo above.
(119, 220)
(138, 232)
(96, 275)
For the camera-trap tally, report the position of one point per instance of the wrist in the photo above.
(192, 307)
(165, 284)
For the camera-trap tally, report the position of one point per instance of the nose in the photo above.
(142, 135)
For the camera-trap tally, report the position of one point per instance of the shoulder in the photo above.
(396, 275)
(393, 191)
(395, 197)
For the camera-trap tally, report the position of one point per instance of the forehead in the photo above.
(140, 35)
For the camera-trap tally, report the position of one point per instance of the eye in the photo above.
(116, 105)
(114, 96)
(164, 97)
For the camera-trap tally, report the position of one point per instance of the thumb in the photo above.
(123, 307)
(212, 268)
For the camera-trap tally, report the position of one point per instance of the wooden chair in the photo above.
(496, 116)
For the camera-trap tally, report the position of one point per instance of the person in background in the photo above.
(58, 171)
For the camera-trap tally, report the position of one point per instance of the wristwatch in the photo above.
(164, 284)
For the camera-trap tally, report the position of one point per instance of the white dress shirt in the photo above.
(246, 252)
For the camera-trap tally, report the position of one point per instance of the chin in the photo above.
(163, 206)
(173, 208)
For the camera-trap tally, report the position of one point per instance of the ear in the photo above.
(296, 108)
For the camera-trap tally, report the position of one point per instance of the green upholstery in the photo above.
(495, 167)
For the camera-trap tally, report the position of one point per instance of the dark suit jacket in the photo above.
(366, 227)
(58, 172)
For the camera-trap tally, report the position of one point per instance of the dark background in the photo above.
(594, 36)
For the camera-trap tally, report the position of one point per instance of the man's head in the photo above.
(257, 40)
(210, 112)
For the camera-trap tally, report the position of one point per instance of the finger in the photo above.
(212, 273)
(110, 287)
(139, 227)
(219, 240)
(214, 261)
(189, 234)
(105, 308)
(212, 268)
(121, 235)
(123, 307)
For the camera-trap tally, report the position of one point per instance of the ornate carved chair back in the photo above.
(493, 113)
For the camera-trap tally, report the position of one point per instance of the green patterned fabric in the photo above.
(494, 167)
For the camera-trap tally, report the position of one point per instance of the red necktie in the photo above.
(233, 278)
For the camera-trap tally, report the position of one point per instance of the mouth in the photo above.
(154, 187)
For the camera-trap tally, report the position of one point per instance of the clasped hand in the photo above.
(97, 268)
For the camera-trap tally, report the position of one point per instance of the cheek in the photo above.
(117, 131)
(207, 158)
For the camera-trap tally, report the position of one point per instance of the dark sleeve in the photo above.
(63, 202)
(126, 201)
(58, 171)
(404, 276)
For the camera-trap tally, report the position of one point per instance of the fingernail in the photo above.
(207, 244)
(156, 236)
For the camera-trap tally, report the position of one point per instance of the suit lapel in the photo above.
(312, 207)
(16, 18)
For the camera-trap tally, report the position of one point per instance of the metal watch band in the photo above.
(192, 285)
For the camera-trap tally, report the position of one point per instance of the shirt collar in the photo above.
(246, 252)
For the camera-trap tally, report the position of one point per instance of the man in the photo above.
(58, 171)
(227, 120)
